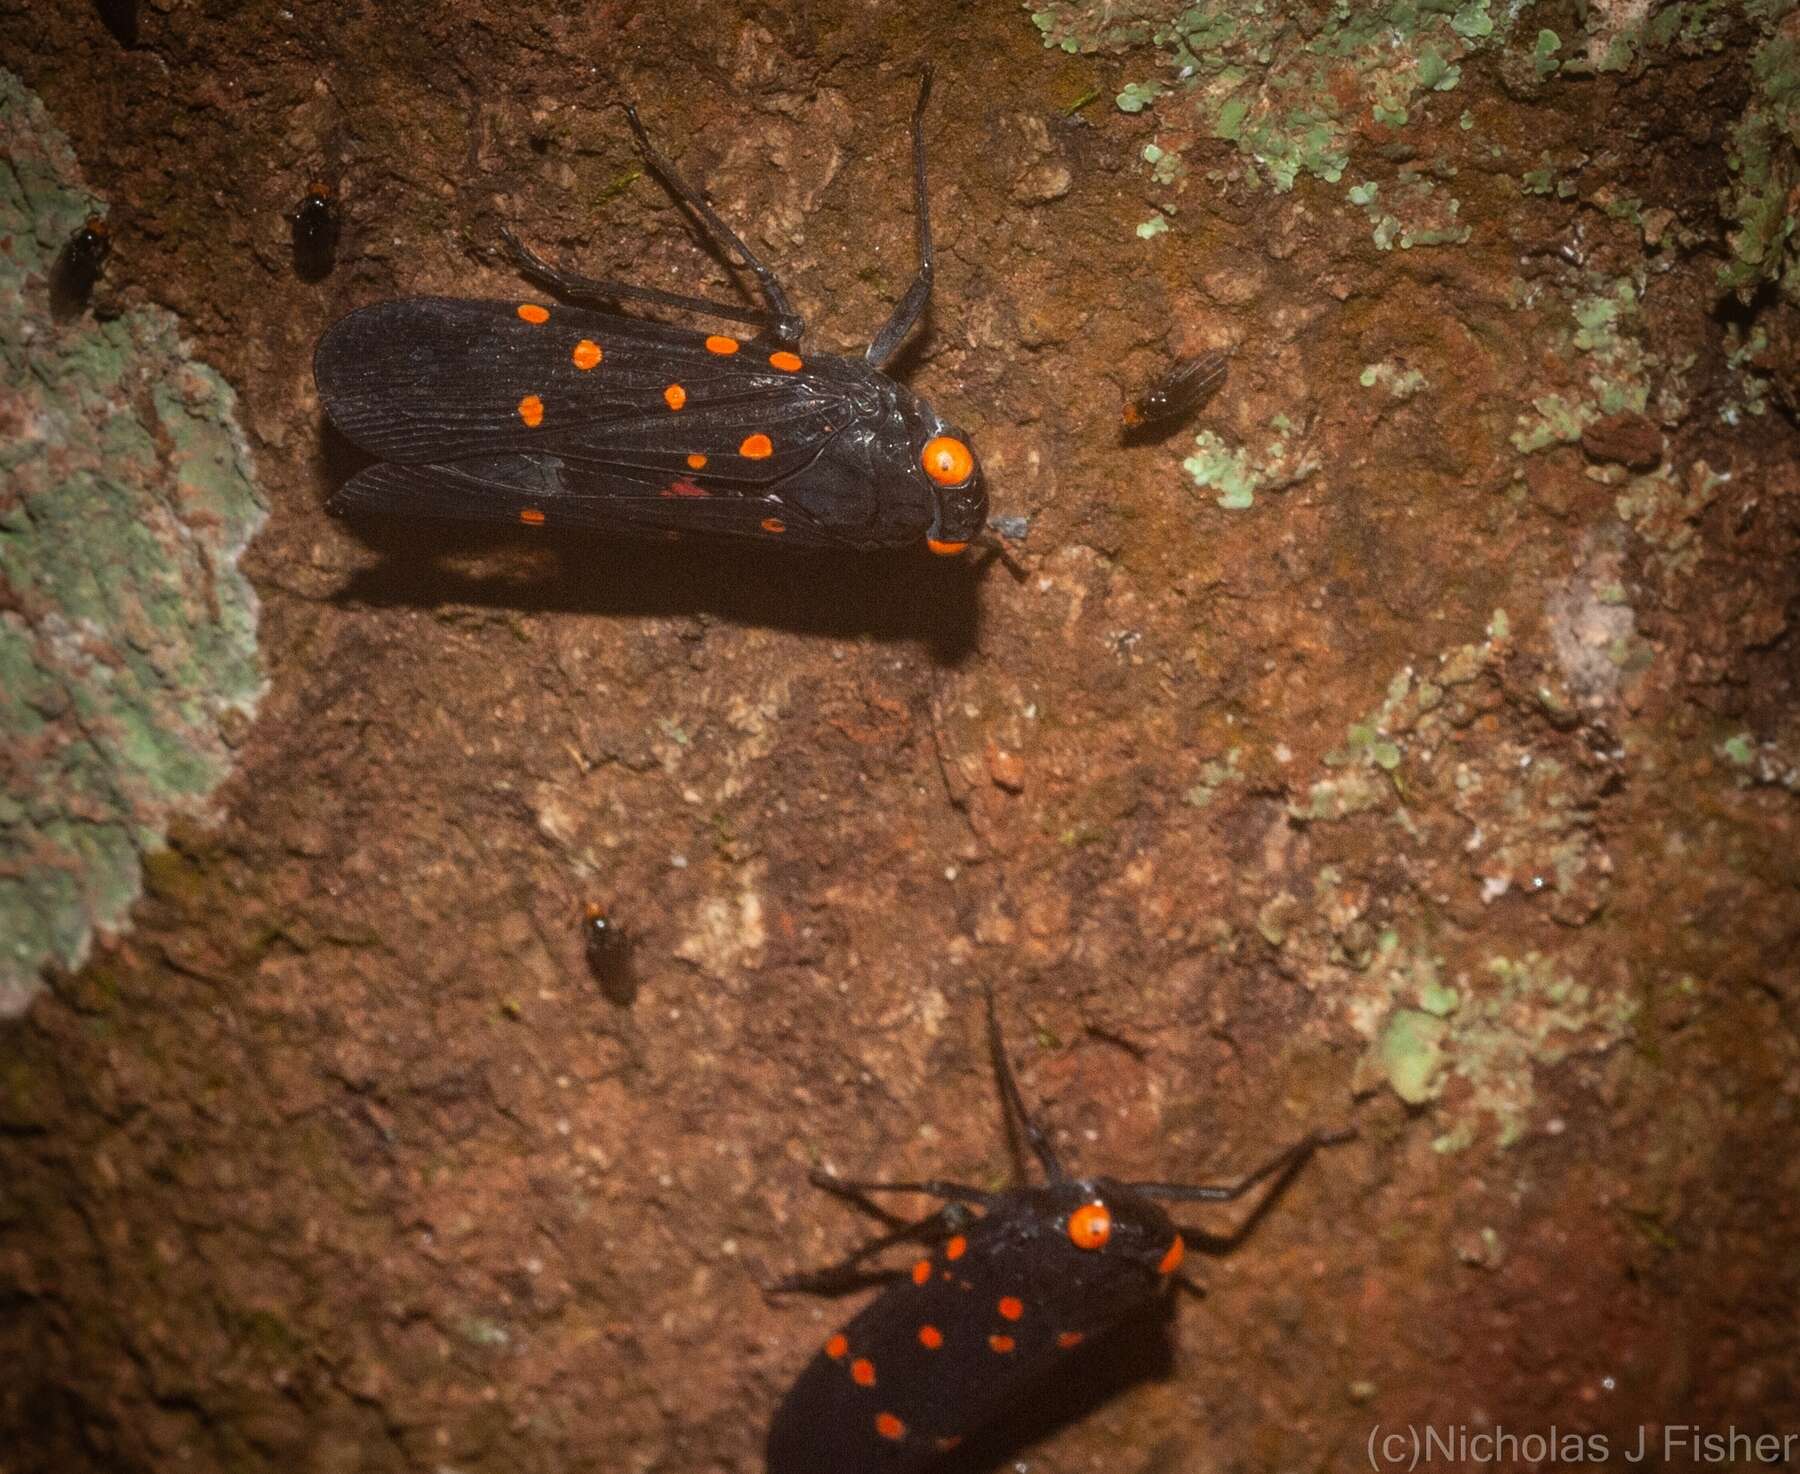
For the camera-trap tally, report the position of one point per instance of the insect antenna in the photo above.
(1013, 1104)
(881, 349)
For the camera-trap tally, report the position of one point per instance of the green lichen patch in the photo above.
(1531, 829)
(1165, 167)
(1476, 1048)
(1765, 166)
(1284, 458)
(1394, 379)
(127, 637)
(1215, 775)
(1510, 809)
(1612, 370)
(1291, 90)
(1410, 212)
(1765, 764)
(1527, 817)
(1409, 1055)
(1664, 510)
(1366, 765)
(1747, 394)
(1136, 96)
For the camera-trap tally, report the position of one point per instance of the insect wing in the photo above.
(934, 1358)
(1177, 393)
(545, 491)
(429, 380)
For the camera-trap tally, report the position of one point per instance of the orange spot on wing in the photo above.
(531, 517)
(696, 461)
(889, 1427)
(1171, 1261)
(683, 487)
(532, 313)
(531, 411)
(946, 1444)
(756, 447)
(837, 1346)
(1011, 1307)
(1070, 1339)
(773, 524)
(1001, 1344)
(956, 1248)
(719, 343)
(944, 550)
(587, 353)
(788, 363)
(921, 1271)
(674, 396)
(862, 1372)
(930, 1337)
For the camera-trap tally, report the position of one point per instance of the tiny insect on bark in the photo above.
(314, 225)
(121, 18)
(1175, 394)
(608, 950)
(77, 267)
(579, 416)
(1009, 1285)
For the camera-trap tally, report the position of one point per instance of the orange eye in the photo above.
(947, 461)
(1090, 1226)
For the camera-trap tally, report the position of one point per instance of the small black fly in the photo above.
(577, 416)
(1174, 395)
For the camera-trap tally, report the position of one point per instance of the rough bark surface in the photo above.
(1422, 754)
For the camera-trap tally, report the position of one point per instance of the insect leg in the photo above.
(568, 286)
(786, 325)
(1282, 1168)
(848, 1274)
(1281, 1163)
(913, 303)
(998, 551)
(932, 1187)
(1014, 1104)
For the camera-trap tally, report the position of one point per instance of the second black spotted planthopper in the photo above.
(570, 415)
(1010, 1283)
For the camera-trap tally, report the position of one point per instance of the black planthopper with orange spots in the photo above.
(574, 415)
(1010, 1284)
